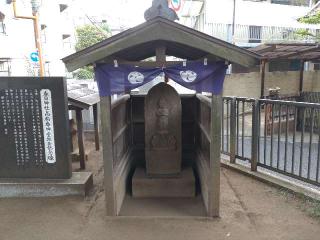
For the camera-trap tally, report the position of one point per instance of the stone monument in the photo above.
(164, 175)
(163, 131)
(34, 128)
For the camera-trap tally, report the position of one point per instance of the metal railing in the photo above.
(282, 136)
(256, 34)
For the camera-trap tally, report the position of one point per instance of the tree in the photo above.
(313, 18)
(88, 35)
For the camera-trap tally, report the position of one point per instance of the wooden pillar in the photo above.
(215, 157)
(80, 138)
(301, 76)
(161, 54)
(263, 76)
(107, 144)
(161, 58)
(96, 126)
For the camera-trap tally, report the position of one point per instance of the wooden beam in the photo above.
(155, 64)
(105, 106)
(301, 76)
(96, 126)
(286, 55)
(80, 139)
(263, 49)
(161, 54)
(263, 76)
(215, 156)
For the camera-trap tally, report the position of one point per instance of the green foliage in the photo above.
(311, 19)
(84, 73)
(88, 35)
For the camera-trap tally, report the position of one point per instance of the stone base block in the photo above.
(78, 185)
(151, 187)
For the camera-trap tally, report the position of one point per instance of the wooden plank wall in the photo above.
(121, 137)
(203, 147)
(208, 151)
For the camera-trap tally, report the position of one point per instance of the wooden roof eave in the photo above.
(161, 30)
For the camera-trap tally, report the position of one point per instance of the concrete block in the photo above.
(151, 187)
(78, 185)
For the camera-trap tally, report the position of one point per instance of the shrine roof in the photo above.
(140, 42)
(289, 51)
(81, 96)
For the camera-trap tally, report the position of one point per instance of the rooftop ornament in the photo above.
(160, 8)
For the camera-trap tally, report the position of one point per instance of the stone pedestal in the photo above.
(78, 185)
(155, 187)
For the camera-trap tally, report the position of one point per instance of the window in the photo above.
(66, 39)
(292, 2)
(43, 33)
(255, 34)
(47, 68)
(317, 66)
(284, 65)
(2, 25)
(63, 7)
(5, 67)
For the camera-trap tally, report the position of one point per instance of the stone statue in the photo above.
(163, 139)
(160, 8)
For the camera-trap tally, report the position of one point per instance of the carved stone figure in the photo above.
(163, 140)
(160, 8)
(163, 131)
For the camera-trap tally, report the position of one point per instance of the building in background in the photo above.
(256, 21)
(17, 55)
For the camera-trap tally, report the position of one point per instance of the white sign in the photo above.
(188, 76)
(48, 127)
(135, 78)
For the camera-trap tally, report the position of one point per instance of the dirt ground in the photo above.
(249, 210)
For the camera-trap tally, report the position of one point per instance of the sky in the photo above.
(128, 12)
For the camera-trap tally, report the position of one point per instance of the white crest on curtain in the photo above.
(135, 78)
(188, 76)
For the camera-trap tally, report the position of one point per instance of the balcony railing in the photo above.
(256, 34)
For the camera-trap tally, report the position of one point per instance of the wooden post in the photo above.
(263, 76)
(301, 76)
(80, 138)
(161, 58)
(215, 157)
(161, 54)
(96, 126)
(233, 130)
(107, 144)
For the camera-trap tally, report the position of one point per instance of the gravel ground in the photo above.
(249, 210)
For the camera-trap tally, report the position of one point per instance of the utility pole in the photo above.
(35, 19)
(233, 20)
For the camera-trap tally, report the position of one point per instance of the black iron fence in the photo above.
(282, 136)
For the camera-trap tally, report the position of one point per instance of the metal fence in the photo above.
(283, 136)
(255, 34)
